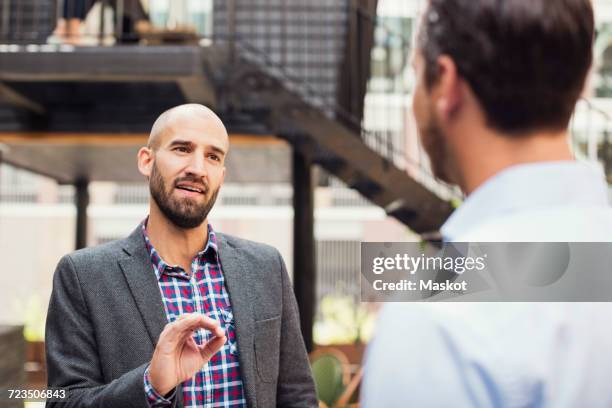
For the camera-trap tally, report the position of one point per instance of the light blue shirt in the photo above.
(504, 354)
(562, 201)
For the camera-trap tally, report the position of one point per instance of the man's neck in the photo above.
(175, 245)
(490, 153)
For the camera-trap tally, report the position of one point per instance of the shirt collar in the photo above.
(209, 252)
(529, 186)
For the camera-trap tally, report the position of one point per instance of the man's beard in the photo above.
(433, 140)
(184, 213)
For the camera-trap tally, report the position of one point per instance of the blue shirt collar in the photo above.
(210, 250)
(529, 186)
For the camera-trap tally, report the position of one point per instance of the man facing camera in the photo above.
(497, 83)
(177, 314)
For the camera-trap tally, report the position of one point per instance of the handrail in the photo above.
(386, 134)
(337, 108)
(289, 75)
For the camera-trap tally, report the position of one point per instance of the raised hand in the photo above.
(177, 357)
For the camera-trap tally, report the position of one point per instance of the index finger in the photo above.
(194, 321)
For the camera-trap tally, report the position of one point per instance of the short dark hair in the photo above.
(525, 60)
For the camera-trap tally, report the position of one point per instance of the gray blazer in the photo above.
(106, 314)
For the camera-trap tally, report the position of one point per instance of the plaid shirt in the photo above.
(218, 383)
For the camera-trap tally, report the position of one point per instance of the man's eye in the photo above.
(214, 157)
(181, 149)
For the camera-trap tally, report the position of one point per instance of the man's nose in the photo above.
(197, 166)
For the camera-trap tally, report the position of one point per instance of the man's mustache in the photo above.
(193, 181)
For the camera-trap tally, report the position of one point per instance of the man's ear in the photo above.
(448, 92)
(145, 161)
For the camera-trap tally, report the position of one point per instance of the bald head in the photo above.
(189, 116)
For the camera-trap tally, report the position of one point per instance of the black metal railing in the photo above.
(103, 22)
(336, 54)
(334, 67)
(26, 21)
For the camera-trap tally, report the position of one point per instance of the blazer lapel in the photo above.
(237, 283)
(143, 284)
(141, 279)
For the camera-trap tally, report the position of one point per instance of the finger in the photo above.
(197, 336)
(190, 336)
(185, 336)
(191, 343)
(212, 347)
(217, 332)
(186, 333)
(191, 322)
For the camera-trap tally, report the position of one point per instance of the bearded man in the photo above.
(177, 314)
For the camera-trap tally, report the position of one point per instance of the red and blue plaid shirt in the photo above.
(218, 383)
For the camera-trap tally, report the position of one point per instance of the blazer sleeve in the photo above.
(295, 387)
(71, 351)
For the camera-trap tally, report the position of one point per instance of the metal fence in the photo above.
(251, 194)
(338, 268)
(103, 22)
(26, 21)
(18, 186)
(591, 135)
(335, 67)
(337, 54)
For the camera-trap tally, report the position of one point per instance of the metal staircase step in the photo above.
(348, 156)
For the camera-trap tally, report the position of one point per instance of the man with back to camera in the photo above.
(496, 85)
(178, 314)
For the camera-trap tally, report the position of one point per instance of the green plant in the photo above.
(342, 320)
